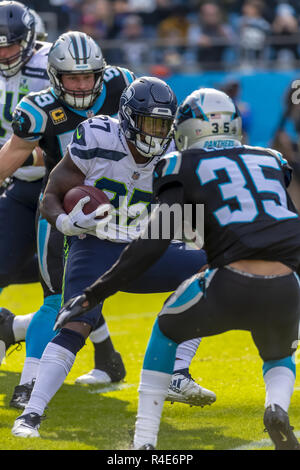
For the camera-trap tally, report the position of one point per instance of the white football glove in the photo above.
(76, 222)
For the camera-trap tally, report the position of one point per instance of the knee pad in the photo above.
(40, 330)
(70, 340)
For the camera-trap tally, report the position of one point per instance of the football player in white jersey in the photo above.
(23, 68)
(117, 157)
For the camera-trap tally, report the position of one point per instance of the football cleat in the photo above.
(277, 424)
(27, 425)
(147, 447)
(21, 395)
(113, 371)
(7, 337)
(184, 389)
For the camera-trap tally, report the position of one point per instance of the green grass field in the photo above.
(85, 418)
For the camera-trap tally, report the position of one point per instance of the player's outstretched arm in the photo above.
(13, 154)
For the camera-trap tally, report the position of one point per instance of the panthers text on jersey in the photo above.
(99, 149)
(31, 78)
(44, 118)
(248, 213)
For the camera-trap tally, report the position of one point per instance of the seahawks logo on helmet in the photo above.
(27, 19)
(127, 94)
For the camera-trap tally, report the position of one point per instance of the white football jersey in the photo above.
(32, 77)
(99, 149)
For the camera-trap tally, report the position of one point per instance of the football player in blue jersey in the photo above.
(23, 68)
(118, 157)
(252, 233)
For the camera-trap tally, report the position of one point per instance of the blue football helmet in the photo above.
(146, 114)
(17, 26)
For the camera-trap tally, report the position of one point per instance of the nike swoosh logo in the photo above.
(284, 438)
(78, 135)
(78, 226)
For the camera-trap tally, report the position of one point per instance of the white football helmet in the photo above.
(207, 118)
(76, 53)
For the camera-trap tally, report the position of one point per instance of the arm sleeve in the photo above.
(140, 254)
(29, 121)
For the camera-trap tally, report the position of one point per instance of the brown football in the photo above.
(97, 197)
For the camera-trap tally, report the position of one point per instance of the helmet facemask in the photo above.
(146, 113)
(17, 27)
(13, 64)
(153, 134)
(81, 99)
(76, 53)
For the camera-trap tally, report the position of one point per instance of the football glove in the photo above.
(76, 222)
(73, 308)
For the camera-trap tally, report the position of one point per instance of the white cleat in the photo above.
(27, 425)
(94, 377)
(184, 389)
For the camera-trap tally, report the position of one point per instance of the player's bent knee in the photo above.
(69, 339)
(83, 328)
(173, 328)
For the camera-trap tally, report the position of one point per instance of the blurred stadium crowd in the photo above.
(192, 35)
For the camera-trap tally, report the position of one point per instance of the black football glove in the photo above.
(73, 308)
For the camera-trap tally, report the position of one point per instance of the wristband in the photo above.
(59, 222)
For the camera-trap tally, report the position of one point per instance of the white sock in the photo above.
(30, 370)
(279, 387)
(20, 325)
(55, 364)
(100, 334)
(152, 392)
(185, 352)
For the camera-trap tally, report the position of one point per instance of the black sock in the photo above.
(106, 358)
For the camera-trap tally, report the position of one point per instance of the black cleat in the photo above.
(277, 424)
(7, 337)
(21, 395)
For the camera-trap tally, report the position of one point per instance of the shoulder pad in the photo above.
(168, 165)
(96, 138)
(42, 47)
(112, 72)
